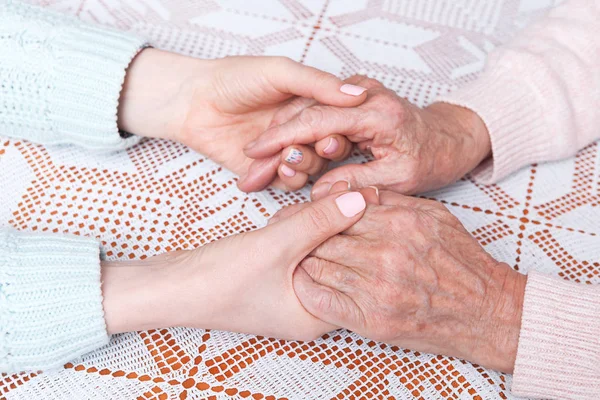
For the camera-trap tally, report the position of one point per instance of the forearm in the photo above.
(63, 78)
(538, 94)
(146, 294)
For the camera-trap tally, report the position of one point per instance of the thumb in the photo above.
(323, 302)
(302, 232)
(373, 173)
(288, 76)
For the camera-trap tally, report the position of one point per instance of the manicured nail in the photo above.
(376, 190)
(351, 203)
(250, 145)
(332, 146)
(295, 156)
(287, 171)
(320, 190)
(352, 90)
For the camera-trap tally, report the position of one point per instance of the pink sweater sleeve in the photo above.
(539, 95)
(540, 99)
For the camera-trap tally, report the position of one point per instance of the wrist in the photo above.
(157, 93)
(144, 294)
(476, 138)
(500, 322)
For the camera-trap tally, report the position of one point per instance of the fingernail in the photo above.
(351, 203)
(376, 190)
(352, 90)
(332, 146)
(250, 145)
(320, 190)
(295, 156)
(287, 171)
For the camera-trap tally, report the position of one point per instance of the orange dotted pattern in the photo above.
(159, 196)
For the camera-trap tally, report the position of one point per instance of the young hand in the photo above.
(218, 106)
(242, 283)
(415, 149)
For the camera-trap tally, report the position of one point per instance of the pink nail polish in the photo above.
(295, 156)
(332, 146)
(287, 171)
(351, 203)
(352, 90)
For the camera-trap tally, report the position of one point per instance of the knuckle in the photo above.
(282, 61)
(310, 117)
(320, 219)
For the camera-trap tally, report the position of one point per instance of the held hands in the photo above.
(216, 107)
(242, 283)
(409, 274)
(415, 149)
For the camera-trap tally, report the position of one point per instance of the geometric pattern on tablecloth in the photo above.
(159, 196)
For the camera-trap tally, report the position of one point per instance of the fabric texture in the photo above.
(559, 345)
(61, 78)
(50, 300)
(539, 94)
(159, 196)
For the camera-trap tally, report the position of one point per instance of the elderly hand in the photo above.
(415, 149)
(216, 107)
(409, 274)
(242, 283)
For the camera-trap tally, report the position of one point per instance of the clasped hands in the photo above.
(392, 268)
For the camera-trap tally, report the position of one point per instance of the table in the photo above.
(159, 196)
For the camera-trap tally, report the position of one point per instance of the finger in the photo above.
(365, 147)
(324, 302)
(328, 273)
(371, 195)
(291, 179)
(335, 148)
(291, 77)
(311, 125)
(260, 174)
(302, 158)
(317, 222)
(290, 110)
(286, 212)
(339, 187)
(373, 173)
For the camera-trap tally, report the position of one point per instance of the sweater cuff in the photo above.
(50, 300)
(90, 73)
(559, 343)
(509, 107)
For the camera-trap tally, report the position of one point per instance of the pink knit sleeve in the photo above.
(539, 95)
(559, 345)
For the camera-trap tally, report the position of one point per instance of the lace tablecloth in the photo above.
(159, 196)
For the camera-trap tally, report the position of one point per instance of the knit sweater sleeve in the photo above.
(539, 94)
(61, 78)
(558, 356)
(50, 300)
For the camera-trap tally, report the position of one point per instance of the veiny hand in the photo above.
(409, 274)
(415, 149)
(218, 106)
(242, 283)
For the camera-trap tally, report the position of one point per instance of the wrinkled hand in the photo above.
(415, 149)
(216, 107)
(409, 274)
